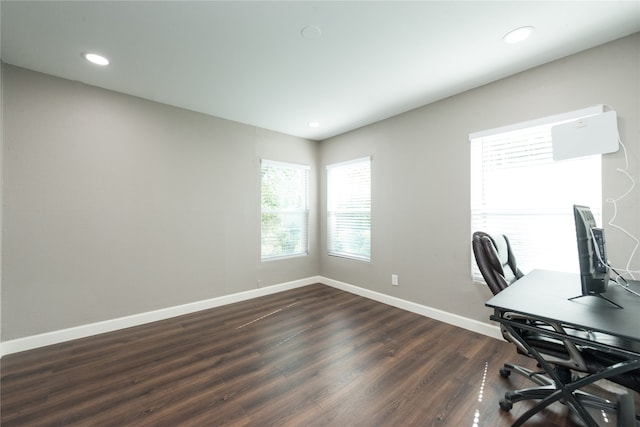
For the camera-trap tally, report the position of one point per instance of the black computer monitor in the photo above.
(592, 253)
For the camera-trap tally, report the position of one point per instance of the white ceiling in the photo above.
(249, 62)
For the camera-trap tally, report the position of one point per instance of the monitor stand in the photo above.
(599, 296)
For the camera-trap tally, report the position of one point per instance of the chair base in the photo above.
(623, 408)
(538, 377)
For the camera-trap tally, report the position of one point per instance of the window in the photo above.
(285, 211)
(349, 209)
(518, 189)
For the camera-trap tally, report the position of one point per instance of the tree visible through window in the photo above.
(349, 209)
(285, 212)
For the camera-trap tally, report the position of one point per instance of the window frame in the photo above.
(334, 211)
(529, 254)
(303, 210)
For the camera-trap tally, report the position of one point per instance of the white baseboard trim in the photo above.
(492, 331)
(56, 337)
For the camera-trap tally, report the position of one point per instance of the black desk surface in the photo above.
(545, 295)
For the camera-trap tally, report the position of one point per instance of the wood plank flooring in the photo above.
(312, 356)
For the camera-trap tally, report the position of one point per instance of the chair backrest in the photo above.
(496, 260)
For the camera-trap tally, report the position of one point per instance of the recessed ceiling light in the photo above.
(314, 124)
(95, 58)
(518, 35)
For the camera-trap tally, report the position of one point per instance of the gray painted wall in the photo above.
(1, 187)
(420, 173)
(117, 205)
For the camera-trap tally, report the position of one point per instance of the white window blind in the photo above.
(349, 209)
(285, 211)
(517, 189)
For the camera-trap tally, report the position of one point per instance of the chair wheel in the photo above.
(504, 372)
(505, 405)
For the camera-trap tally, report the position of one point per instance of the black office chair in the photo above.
(498, 267)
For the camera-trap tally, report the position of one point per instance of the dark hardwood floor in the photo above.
(313, 356)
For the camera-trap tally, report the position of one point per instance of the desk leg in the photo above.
(554, 397)
(570, 393)
(566, 391)
(558, 384)
(625, 410)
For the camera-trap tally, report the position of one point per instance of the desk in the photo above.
(544, 295)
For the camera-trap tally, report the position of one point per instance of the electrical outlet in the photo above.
(394, 279)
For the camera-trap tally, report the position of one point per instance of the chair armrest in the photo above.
(557, 351)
